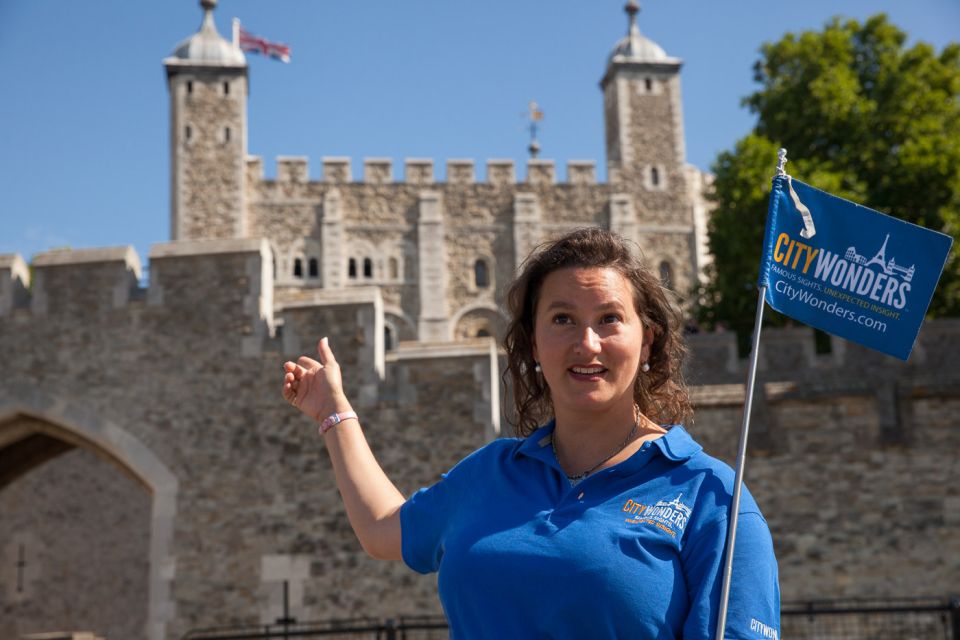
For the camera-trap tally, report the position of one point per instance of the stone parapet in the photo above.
(541, 172)
(377, 170)
(581, 172)
(218, 286)
(460, 171)
(84, 280)
(292, 169)
(14, 283)
(336, 169)
(254, 169)
(418, 171)
(501, 172)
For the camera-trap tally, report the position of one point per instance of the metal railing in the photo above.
(875, 619)
(403, 628)
(854, 619)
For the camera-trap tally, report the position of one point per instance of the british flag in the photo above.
(256, 44)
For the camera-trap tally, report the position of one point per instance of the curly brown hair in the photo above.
(661, 393)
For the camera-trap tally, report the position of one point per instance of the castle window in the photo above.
(483, 333)
(388, 338)
(481, 274)
(226, 134)
(189, 87)
(314, 268)
(648, 83)
(187, 132)
(394, 269)
(666, 274)
(352, 268)
(367, 268)
(654, 176)
(297, 268)
(226, 88)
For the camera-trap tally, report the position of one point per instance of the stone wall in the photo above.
(853, 454)
(77, 522)
(377, 220)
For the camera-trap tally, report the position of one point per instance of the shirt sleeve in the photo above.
(423, 519)
(427, 516)
(753, 611)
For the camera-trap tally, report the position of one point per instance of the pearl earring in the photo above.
(536, 367)
(645, 367)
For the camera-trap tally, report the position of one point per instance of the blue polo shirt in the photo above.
(632, 551)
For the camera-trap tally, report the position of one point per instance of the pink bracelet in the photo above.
(336, 418)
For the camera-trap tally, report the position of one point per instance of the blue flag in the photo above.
(849, 270)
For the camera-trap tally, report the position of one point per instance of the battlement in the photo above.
(791, 354)
(14, 283)
(84, 280)
(217, 286)
(420, 171)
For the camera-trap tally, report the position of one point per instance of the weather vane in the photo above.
(534, 115)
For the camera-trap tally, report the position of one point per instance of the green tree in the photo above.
(862, 117)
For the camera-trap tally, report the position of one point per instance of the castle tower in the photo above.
(646, 158)
(642, 112)
(207, 79)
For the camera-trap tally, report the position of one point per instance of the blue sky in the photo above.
(84, 119)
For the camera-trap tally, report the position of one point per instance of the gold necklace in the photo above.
(580, 476)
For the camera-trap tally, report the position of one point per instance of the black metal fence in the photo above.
(902, 619)
(403, 628)
(880, 619)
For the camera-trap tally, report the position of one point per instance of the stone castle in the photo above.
(153, 482)
(440, 253)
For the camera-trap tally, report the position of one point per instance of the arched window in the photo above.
(352, 268)
(367, 268)
(314, 268)
(654, 176)
(226, 134)
(388, 338)
(394, 268)
(483, 333)
(189, 86)
(226, 88)
(648, 83)
(666, 274)
(297, 268)
(481, 274)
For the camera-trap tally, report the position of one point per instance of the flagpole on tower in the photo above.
(742, 453)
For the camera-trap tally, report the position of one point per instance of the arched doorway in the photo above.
(86, 532)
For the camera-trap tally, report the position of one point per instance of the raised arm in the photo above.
(371, 499)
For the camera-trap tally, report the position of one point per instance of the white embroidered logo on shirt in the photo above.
(764, 631)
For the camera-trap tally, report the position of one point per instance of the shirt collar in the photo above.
(538, 445)
(676, 444)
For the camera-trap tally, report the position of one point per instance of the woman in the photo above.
(607, 522)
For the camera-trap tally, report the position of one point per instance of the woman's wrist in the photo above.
(336, 418)
(333, 412)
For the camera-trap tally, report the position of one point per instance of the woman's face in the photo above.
(589, 340)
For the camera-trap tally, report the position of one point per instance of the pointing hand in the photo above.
(315, 387)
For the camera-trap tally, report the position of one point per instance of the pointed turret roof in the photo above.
(207, 47)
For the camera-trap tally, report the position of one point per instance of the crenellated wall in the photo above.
(853, 455)
(317, 227)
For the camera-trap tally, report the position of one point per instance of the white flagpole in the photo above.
(742, 454)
